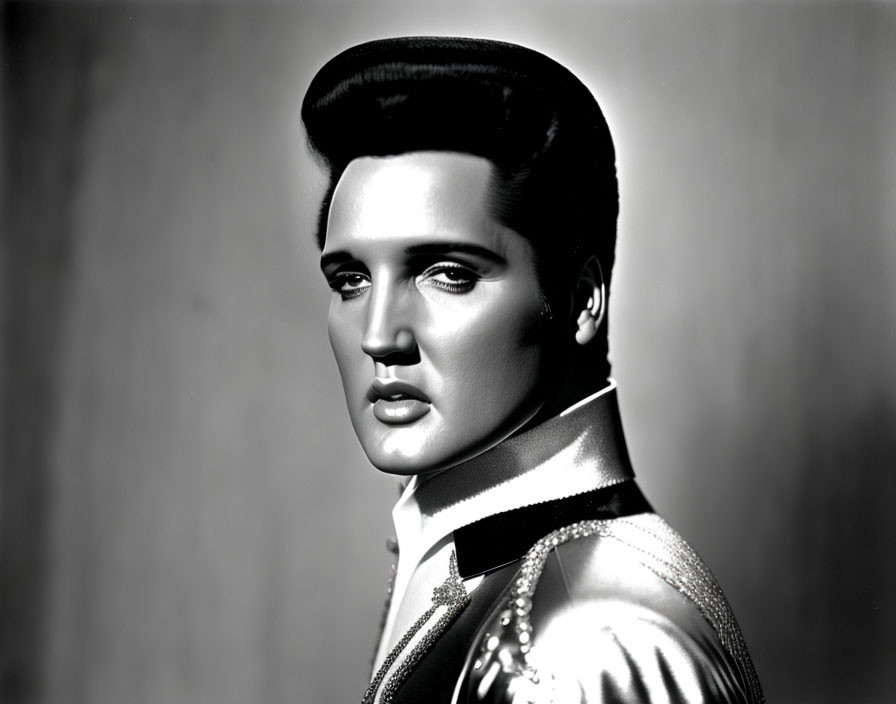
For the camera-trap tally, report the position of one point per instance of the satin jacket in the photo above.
(586, 597)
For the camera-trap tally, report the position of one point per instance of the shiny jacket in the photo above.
(586, 598)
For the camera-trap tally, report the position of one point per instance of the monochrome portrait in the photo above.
(475, 352)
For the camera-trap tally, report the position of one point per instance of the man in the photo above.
(468, 236)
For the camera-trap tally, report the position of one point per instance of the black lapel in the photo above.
(505, 537)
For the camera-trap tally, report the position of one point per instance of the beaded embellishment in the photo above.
(451, 594)
(508, 647)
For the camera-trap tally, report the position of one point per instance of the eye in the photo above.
(450, 277)
(349, 284)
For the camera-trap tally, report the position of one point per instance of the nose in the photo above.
(389, 333)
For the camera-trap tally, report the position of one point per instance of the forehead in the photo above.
(413, 195)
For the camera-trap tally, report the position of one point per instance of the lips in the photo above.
(396, 402)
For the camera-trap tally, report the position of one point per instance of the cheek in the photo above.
(495, 353)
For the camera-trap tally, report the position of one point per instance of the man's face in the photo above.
(437, 320)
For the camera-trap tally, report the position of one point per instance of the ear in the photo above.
(590, 301)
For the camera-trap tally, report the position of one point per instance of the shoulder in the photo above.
(620, 610)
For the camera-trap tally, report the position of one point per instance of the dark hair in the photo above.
(555, 180)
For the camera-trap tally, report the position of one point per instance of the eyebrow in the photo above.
(430, 248)
(452, 247)
(333, 258)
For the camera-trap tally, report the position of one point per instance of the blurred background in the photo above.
(185, 514)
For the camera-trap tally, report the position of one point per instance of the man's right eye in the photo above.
(349, 285)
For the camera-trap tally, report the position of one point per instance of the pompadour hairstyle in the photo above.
(555, 180)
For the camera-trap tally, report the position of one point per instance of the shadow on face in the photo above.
(437, 318)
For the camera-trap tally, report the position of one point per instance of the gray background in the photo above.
(185, 514)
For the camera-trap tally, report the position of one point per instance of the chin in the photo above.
(399, 470)
(397, 455)
(400, 450)
(400, 465)
(408, 461)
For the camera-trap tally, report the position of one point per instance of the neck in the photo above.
(576, 453)
(572, 452)
(579, 378)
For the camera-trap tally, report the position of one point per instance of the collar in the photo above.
(577, 452)
(498, 540)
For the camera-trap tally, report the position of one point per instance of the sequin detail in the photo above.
(450, 594)
(650, 537)
(390, 588)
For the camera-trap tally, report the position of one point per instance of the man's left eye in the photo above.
(451, 278)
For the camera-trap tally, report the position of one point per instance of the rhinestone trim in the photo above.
(683, 570)
(451, 594)
(390, 587)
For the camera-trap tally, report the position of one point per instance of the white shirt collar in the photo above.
(580, 450)
(564, 456)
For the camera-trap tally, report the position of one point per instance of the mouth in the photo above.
(397, 402)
